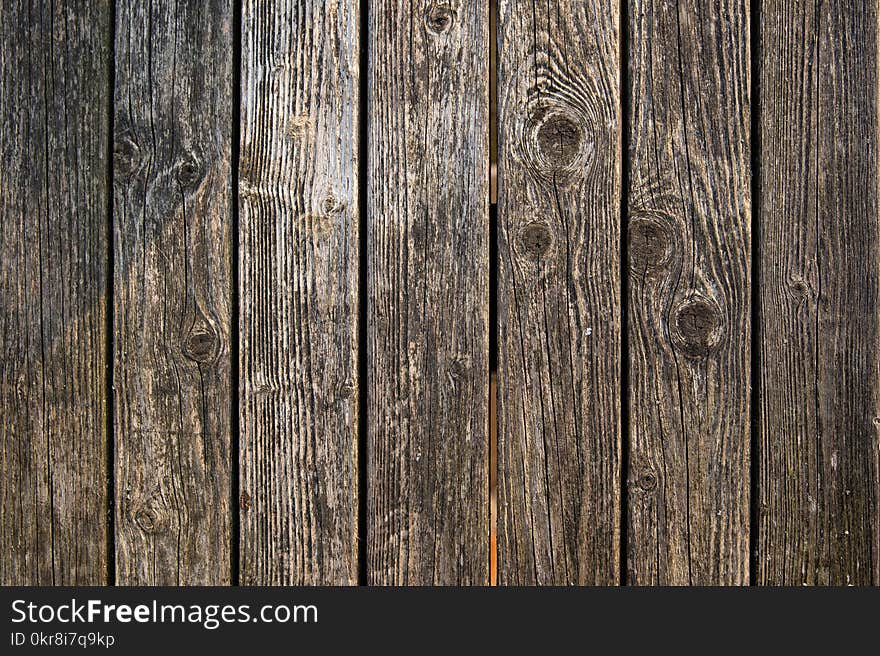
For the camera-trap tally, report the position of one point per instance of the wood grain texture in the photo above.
(427, 322)
(299, 293)
(559, 293)
(54, 92)
(172, 291)
(819, 264)
(689, 216)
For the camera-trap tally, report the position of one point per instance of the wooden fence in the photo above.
(266, 318)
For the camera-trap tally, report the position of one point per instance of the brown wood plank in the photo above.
(172, 291)
(427, 323)
(819, 453)
(299, 292)
(689, 215)
(559, 293)
(54, 93)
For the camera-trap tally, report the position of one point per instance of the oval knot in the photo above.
(536, 240)
(698, 326)
(202, 343)
(649, 244)
(188, 170)
(439, 18)
(126, 155)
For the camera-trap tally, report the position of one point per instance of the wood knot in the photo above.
(799, 289)
(346, 391)
(649, 244)
(559, 139)
(149, 520)
(188, 171)
(536, 240)
(126, 155)
(647, 480)
(697, 326)
(439, 18)
(244, 501)
(202, 343)
(459, 367)
(555, 142)
(331, 205)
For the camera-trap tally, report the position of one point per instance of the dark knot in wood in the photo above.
(536, 240)
(697, 326)
(188, 171)
(202, 344)
(559, 140)
(556, 142)
(149, 521)
(331, 205)
(647, 480)
(799, 289)
(244, 501)
(649, 244)
(459, 367)
(439, 18)
(126, 156)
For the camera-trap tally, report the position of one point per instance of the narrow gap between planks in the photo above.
(493, 292)
(625, 103)
(363, 304)
(755, 363)
(235, 448)
(109, 411)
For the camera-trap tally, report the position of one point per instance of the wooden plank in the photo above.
(689, 217)
(819, 474)
(299, 292)
(172, 291)
(54, 91)
(427, 323)
(559, 293)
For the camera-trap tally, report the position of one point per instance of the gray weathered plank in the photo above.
(559, 293)
(819, 453)
(54, 92)
(299, 292)
(688, 227)
(172, 291)
(427, 323)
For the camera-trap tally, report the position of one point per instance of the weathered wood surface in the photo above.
(428, 296)
(172, 218)
(54, 94)
(689, 214)
(362, 299)
(819, 454)
(559, 329)
(299, 292)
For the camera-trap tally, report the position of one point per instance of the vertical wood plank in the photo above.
(172, 291)
(689, 216)
(428, 247)
(819, 414)
(559, 293)
(299, 292)
(54, 92)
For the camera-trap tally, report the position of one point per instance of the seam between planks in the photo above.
(624, 136)
(755, 375)
(363, 278)
(235, 348)
(492, 470)
(110, 464)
